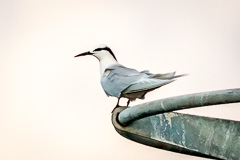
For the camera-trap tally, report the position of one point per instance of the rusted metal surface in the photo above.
(178, 103)
(183, 133)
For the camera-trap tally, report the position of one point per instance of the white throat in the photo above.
(105, 60)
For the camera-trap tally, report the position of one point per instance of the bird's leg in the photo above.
(128, 102)
(116, 105)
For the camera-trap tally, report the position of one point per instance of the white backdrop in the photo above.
(52, 106)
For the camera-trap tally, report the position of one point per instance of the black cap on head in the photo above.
(104, 47)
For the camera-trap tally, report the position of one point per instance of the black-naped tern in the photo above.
(120, 81)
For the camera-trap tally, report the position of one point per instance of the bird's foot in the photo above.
(115, 108)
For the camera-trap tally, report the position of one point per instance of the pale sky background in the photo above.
(53, 107)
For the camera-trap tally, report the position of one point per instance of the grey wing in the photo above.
(169, 76)
(118, 78)
(147, 84)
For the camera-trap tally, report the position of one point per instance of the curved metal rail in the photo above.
(179, 103)
(207, 137)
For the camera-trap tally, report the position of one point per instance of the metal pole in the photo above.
(182, 133)
(177, 103)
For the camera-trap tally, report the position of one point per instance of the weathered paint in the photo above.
(178, 103)
(183, 133)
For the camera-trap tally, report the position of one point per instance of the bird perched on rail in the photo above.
(120, 81)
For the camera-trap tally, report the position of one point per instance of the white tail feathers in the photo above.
(181, 75)
(167, 76)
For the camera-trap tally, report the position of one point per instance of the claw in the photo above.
(118, 104)
(115, 108)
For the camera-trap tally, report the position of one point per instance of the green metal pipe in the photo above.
(182, 133)
(178, 103)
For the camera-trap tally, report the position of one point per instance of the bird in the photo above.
(123, 82)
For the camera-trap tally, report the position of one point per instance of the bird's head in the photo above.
(100, 52)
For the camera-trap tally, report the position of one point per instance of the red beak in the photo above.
(83, 54)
